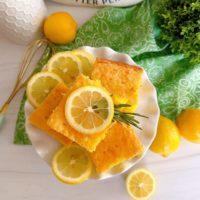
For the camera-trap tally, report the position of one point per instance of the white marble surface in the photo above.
(24, 176)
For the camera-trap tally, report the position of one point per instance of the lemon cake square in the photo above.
(57, 121)
(123, 81)
(120, 144)
(40, 116)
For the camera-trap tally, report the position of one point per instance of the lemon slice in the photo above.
(140, 184)
(66, 65)
(40, 85)
(71, 164)
(87, 61)
(89, 109)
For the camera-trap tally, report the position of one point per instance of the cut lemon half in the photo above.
(71, 164)
(87, 61)
(40, 85)
(66, 65)
(140, 184)
(89, 109)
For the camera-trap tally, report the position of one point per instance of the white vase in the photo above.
(21, 20)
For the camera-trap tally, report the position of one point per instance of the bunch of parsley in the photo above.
(180, 24)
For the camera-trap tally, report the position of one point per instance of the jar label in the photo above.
(91, 3)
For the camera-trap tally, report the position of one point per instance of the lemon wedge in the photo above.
(89, 109)
(72, 165)
(40, 85)
(66, 65)
(140, 184)
(87, 61)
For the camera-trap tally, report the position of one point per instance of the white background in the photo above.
(24, 176)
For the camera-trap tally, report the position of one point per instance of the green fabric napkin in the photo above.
(132, 30)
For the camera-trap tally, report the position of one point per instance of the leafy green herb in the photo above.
(126, 117)
(180, 24)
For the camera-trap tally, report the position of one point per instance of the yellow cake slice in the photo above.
(40, 116)
(58, 122)
(120, 144)
(123, 81)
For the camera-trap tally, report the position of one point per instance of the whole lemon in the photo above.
(60, 28)
(167, 139)
(188, 123)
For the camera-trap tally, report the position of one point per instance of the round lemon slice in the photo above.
(87, 61)
(40, 85)
(140, 184)
(71, 164)
(89, 109)
(66, 65)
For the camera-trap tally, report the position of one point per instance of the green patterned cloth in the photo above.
(133, 31)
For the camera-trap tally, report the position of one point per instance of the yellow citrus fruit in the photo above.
(65, 64)
(60, 28)
(140, 184)
(87, 61)
(89, 109)
(188, 123)
(71, 164)
(40, 85)
(167, 138)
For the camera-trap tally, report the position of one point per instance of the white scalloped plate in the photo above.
(46, 146)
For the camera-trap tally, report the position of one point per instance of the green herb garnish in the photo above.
(126, 117)
(180, 24)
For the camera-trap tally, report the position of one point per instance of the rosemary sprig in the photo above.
(126, 117)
